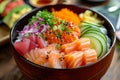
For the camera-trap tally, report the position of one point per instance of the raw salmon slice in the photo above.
(77, 45)
(90, 56)
(74, 59)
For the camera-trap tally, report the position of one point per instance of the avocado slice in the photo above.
(16, 10)
(3, 5)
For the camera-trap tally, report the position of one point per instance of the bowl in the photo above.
(89, 72)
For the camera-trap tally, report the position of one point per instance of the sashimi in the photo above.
(69, 47)
(56, 60)
(84, 43)
(46, 56)
(41, 42)
(37, 56)
(74, 59)
(33, 38)
(90, 56)
(22, 46)
(33, 45)
(77, 45)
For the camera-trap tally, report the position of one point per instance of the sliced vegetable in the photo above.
(102, 39)
(15, 14)
(91, 24)
(11, 5)
(85, 26)
(90, 29)
(3, 5)
(95, 44)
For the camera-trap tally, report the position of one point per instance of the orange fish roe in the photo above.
(67, 15)
(64, 37)
(72, 19)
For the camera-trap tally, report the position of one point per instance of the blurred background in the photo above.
(12, 10)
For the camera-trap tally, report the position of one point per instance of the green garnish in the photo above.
(58, 46)
(33, 19)
(46, 15)
(42, 22)
(62, 26)
(55, 24)
(58, 35)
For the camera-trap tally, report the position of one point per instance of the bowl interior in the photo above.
(24, 21)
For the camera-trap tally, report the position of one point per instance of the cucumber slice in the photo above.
(88, 23)
(88, 26)
(90, 29)
(95, 44)
(82, 28)
(96, 32)
(101, 37)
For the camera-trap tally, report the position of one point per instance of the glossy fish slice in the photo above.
(74, 59)
(84, 44)
(77, 45)
(90, 56)
(37, 56)
(56, 60)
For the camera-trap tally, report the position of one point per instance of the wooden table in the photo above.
(10, 71)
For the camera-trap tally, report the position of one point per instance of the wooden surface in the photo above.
(10, 71)
(113, 72)
(4, 34)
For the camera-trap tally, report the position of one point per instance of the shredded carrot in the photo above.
(67, 15)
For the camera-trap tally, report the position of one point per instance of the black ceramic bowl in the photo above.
(89, 72)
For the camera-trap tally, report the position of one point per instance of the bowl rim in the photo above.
(48, 68)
